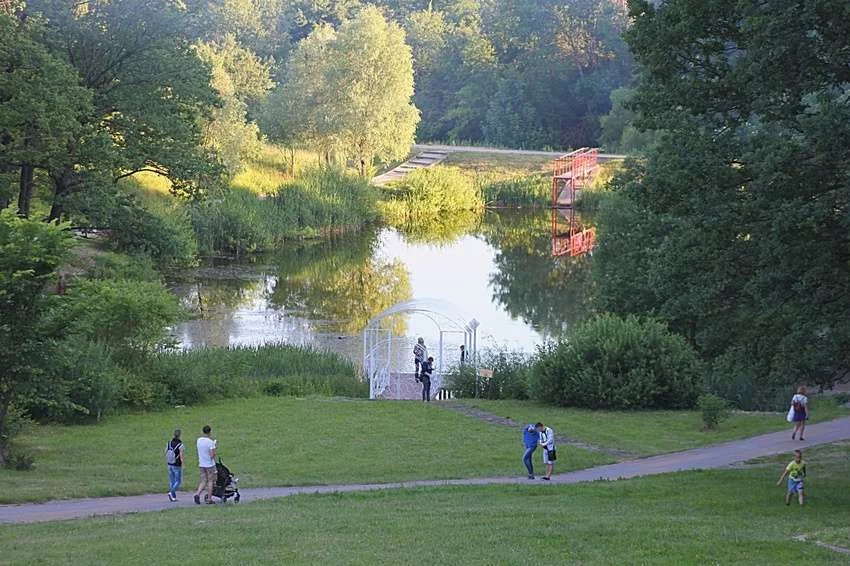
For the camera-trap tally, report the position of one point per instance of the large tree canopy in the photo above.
(736, 229)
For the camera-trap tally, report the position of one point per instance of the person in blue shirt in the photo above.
(531, 438)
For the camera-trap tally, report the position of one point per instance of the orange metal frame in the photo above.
(571, 173)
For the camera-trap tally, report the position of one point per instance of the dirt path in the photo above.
(559, 439)
(717, 456)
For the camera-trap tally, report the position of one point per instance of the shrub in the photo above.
(162, 230)
(618, 363)
(714, 410)
(509, 381)
(129, 316)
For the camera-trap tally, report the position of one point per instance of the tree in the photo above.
(353, 89)
(239, 77)
(151, 92)
(30, 253)
(42, 105)
(734, 230)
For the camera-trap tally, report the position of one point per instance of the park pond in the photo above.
(499, 270)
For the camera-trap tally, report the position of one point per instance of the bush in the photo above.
(509, 381)
(714, 410)
(128, 316)
(618, 363)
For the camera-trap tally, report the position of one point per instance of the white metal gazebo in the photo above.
(385, 355)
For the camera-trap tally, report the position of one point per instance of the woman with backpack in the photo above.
(800, 408)
(174, 454)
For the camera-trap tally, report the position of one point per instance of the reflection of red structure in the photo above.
(572, 173)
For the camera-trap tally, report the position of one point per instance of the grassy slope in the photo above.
(731, 516)
(648, 432)
(272, 442)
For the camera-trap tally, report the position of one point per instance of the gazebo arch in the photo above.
(384, 358)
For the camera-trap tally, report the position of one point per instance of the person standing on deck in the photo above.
(425, 378)
(420, 355)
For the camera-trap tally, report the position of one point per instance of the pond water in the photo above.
(499, 271)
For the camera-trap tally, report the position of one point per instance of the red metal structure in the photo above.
(572, 173)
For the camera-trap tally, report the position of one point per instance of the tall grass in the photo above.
(274, 166)
(317, 202)
(201, 375)
(533, 190)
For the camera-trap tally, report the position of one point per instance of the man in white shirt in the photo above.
(206, 462)
(547, 442)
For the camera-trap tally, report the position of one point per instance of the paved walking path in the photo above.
(716, 456)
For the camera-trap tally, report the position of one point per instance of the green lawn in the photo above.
(500, 163)
(649, 432)
(272, 442)
(729, 516)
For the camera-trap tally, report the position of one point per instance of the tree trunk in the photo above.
(25, 190)
(4, 432)
(61, 187)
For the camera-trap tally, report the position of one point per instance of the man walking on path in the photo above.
(530, 438)
(547, 441)
(206, 463)
(425, 378)
(174, 456)
(420, 353)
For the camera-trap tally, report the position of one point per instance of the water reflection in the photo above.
(324, 293)
(550, 293)
(340, 283)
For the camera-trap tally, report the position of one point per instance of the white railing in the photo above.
(379, 381)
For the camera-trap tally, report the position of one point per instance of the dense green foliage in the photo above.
(30, 253)
(734, 230)
(615, 363)
(350, 91)
(510, 379)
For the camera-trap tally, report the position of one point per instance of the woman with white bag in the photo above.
(799, 412)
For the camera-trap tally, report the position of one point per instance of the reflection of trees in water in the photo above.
(549, 293)
(441, 228)
(339, 281)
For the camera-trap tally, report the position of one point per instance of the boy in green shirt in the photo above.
(796, 472)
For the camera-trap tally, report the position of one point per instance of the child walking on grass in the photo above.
(796, 472)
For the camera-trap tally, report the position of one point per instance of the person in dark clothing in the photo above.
(425, 371)
(174, 455)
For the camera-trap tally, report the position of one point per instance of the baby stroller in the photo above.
(225, 484)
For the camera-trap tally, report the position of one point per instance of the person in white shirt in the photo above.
(206, 462)
(547, 442)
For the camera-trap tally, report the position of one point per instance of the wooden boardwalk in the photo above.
(423, 159)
